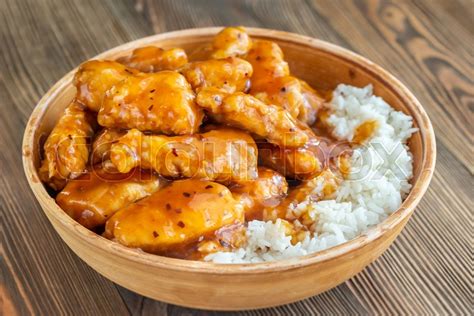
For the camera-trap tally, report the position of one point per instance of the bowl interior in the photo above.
(321, 64)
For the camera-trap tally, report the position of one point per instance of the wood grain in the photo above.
(427, 44)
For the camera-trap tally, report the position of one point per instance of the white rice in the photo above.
(375, 187)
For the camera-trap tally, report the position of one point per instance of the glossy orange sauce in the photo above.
(175, 216)
(95, 196)
(364, 131)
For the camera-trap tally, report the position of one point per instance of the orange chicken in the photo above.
(154, 59)
(246, 112)
(176, 215)
(94, 78)
(161, 102)
(95, 196)
(230, 74)
(231, 42)
(222, 155)
(103, 142)
(268, 190)
(66, 151)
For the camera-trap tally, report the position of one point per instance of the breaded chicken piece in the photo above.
(268, 190)
(103, 142)
(299, 163)
(267, 61)
(126, 98)
(308, 161)
(271, 82)
(66, 151)
(313, 102)
(222, 155)
(96, 195)
(94, 78)
(161, 102)
(154, 59)
(282, 91)
(293, 94)
(318, 188)
(231, 42)
(230, 74)
(174, 216)
(247, 112)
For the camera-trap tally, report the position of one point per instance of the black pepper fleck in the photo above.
(186, 194)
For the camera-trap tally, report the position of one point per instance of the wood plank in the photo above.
(40, 275)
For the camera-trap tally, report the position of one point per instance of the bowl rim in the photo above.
(406, 209)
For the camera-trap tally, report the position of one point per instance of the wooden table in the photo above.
(427, 44)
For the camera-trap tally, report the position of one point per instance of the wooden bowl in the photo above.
(240, 286)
